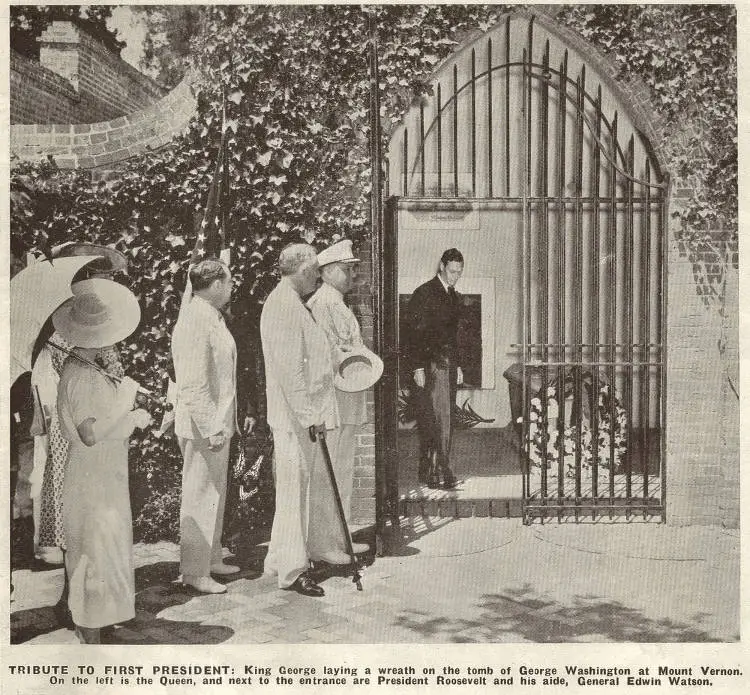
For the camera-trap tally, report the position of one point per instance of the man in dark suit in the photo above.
(432, 355)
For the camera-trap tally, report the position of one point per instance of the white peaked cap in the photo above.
(340, 252)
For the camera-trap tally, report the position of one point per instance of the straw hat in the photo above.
(340, 252)
(101, 313)
(358, 370)
(109, 261)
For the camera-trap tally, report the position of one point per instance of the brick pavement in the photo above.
(454, 580)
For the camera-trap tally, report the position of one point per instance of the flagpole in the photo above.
(213, 230)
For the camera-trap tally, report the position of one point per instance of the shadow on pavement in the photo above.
(28, 624)
(412, 529)
(525, 615)
(156, 590)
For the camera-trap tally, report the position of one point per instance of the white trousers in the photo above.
(305, 523)
(204, 492)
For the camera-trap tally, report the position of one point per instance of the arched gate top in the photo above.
(518, 112)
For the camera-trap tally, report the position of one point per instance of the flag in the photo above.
(213, 239)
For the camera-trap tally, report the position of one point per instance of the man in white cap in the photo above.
(338, 272)
(301, 405)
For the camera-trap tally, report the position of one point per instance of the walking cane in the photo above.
(321, 437)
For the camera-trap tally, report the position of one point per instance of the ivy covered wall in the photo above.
(295, 83)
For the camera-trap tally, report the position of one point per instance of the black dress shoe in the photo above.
(433, 482)
(63, 615)
(449, 480)
(306, 586)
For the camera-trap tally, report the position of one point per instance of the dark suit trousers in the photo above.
(434, 420)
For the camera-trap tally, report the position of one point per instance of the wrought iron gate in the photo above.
(591, 357)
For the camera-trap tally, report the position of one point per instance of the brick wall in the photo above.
(109, 86)
(363, 494)
(702, 410)
(104, 144)
(77, 80)
(38, 95)
(729, 502)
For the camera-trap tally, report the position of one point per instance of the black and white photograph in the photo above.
(391, 324)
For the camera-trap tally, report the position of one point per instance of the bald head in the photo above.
(294, 256)
(299, 264)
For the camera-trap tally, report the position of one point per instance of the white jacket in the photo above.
(205, 365)
(299, 372)
(340, 325)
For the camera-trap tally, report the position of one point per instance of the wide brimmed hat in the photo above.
(101, 313)
(340, 252)
(358, 370)
(109, 260)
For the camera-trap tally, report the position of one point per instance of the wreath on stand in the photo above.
(577, 434)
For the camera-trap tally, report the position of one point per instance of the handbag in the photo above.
(254, 460)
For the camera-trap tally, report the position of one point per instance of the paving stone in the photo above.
(491, 589)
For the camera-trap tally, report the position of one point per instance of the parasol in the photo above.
(35, 293)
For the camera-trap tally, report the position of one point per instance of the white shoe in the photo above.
(52, 555)
(359, 548)
(205, 585)
(221, 568)
(335, 557)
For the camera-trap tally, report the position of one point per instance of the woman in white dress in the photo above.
(97, 418)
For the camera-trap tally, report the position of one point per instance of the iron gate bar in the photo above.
(489, 116)
(612, 242)
(507, 107)
(429, 203)
(561, 252)
(575, 346)
(577, 251)
(405, 158)
(455, 130)
(594, 364)
(596, 231)
(526, 299)
(646, 313)
(543, 252)
(662, 383)
(421, 145)
(629, 221)
(544, 77)
(439, 118)
(473, 123)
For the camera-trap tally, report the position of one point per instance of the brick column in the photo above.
(363, 494)
(59, 51)
(695, 399)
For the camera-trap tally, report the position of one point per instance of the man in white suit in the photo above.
(301, 400)
(204, 355)
(338, 271)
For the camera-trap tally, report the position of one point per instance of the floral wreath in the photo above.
(579, 431)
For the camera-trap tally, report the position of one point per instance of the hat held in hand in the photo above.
(101, 313)
(358, 370)
(340, 252)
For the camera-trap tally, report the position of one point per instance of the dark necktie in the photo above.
(452, 293)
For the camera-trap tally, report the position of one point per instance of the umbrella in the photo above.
(35, 293)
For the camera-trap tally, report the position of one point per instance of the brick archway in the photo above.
(104, 144)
